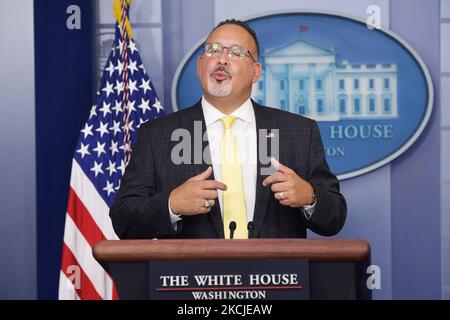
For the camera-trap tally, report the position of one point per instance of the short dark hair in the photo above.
(243, 25)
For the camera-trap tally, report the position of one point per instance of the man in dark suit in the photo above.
(191, 189)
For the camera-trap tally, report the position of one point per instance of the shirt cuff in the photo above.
(173, 217)
(308, 210)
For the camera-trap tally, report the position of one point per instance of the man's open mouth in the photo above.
(221, 74)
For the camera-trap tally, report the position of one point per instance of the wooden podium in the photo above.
(337, 267)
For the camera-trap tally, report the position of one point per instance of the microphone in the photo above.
(232, 227)
(250, 227)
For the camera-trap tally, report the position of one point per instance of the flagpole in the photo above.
(121, 14)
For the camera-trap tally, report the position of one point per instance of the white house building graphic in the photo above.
(303, 78)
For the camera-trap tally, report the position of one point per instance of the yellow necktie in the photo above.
(233, 198)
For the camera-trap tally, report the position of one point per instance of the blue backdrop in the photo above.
(65, 72)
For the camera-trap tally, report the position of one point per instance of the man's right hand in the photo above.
(189, 199)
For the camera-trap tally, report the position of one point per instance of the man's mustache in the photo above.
(222, 69)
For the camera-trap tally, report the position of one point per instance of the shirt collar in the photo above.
(245, 112)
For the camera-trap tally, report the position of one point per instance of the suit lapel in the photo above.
(263, 194)
(191, 122)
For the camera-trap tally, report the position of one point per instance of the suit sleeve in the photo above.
(139, 211)
(331, 209)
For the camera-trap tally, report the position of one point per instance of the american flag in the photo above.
(126, 100)
(303, 28)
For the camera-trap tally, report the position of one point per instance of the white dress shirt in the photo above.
(244, 129)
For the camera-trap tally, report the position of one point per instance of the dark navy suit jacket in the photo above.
(140, 209)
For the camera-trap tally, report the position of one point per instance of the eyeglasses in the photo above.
(215, 49)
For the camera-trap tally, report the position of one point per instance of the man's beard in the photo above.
(219, 90)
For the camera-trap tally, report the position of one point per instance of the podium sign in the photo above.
(237, 269)
(271, 279)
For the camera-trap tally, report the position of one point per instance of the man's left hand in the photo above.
(288, 187)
